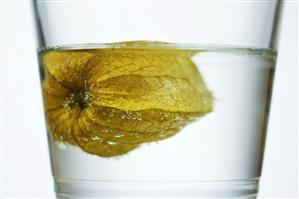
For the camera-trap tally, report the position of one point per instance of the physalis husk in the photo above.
(108, 101)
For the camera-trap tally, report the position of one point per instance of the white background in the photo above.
(24, 159)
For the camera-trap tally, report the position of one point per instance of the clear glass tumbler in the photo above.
(151, 99)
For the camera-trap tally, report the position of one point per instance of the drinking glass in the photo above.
(147, 99)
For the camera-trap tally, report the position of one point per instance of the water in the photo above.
(217, 155)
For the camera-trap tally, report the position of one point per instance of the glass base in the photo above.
(204, 189)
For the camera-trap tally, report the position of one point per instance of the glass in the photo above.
(156, 98)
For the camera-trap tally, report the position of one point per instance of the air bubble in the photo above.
(178, 117)
(119, 135)
(111, 143)
(62, 146)
(139, 118)
(161, 135)
(96, 138)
